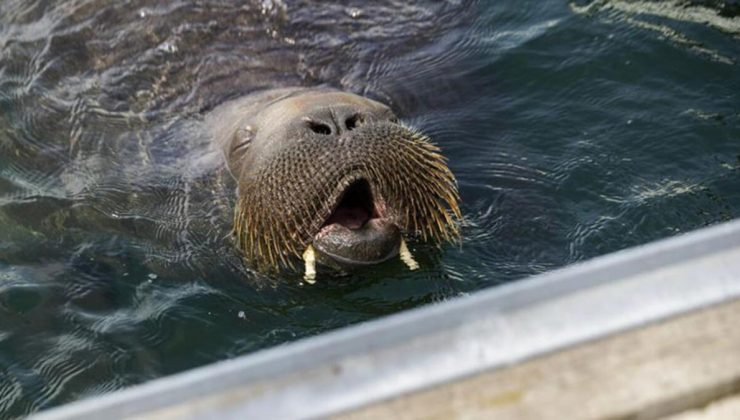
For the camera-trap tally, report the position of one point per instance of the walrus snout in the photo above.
(332, 177)
(358, 231)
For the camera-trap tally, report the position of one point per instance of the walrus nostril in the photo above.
(352, 122)
(319, 128)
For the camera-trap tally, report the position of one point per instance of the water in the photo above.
(575, 129)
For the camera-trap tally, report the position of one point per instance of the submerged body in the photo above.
(324, 169)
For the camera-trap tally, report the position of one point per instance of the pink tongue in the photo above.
(350, 217)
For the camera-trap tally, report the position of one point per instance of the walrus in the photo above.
(331, 176)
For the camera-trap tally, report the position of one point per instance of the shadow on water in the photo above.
(574, 128)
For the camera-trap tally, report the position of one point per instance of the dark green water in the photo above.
(574, 128)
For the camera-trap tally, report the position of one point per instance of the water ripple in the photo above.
(574, 129)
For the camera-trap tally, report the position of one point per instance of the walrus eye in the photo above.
(352, 122)
(243, 138)
(319, 128)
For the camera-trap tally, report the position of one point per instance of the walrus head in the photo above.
(338, 173)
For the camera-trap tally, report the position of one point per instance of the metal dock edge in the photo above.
(439, 344)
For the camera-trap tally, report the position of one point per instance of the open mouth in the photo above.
(358, 232)
(355, 208)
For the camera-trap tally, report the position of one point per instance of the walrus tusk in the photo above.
(309, 257)
(406, 256)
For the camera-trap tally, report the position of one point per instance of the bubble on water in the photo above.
(272, 7)
(168, 47)
(354, 12)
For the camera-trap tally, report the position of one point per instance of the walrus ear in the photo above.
(242, 139)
